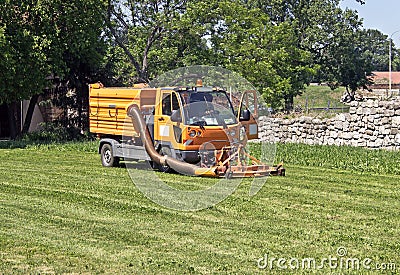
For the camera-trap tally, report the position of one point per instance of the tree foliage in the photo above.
(154, 35)
(376, 45)
(157, 36)
(43, 39)
(79, 47)
(24, 50)
(245, 40)
(278, 45)
(333, 37)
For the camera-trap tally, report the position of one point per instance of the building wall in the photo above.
(370, 124)
(37, 118)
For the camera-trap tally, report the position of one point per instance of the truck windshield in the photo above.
(212, 108)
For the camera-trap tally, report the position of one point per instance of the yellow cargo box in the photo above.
(108, 107)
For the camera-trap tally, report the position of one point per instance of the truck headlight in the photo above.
(192, 133)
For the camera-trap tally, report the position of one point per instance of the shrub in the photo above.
(55, 132)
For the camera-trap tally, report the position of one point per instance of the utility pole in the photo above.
(390, 62)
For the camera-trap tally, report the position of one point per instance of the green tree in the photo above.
(79, 49)
(154, 35)
(245, 40)
(24, 65)
(276, 44)
(157, 36)
(330, 35)
(376, 45)
(346, 60)
(47, 38)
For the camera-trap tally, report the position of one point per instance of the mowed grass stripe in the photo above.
(76, 216)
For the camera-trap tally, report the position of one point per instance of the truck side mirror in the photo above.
(245, 116)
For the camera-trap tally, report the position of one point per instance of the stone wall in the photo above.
(371, 124)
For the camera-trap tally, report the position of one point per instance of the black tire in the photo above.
(164, 151)
(107, 158)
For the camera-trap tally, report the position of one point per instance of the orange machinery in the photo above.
(191, 130)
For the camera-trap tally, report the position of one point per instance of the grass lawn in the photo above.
(319, 96)
(61, 212)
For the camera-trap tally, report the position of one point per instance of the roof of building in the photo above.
(383, 77)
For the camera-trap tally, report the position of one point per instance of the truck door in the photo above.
(248, 113)
(165, 129)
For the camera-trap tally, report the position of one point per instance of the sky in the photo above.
(383, 15)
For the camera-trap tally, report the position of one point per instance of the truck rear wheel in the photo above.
(107, 158)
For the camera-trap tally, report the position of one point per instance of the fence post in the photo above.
(307, 104)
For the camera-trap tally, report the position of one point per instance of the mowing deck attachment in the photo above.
(235, 162)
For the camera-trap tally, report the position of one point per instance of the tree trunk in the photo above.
(288, 103)
(85, 107)
(11, 108)
(350, 95)
(29, 114)
(78, 89)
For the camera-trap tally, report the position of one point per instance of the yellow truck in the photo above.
(192, 130)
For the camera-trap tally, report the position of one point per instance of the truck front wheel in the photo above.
(107, 158)
(164, 151)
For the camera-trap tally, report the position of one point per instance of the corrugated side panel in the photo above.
(108, 110)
